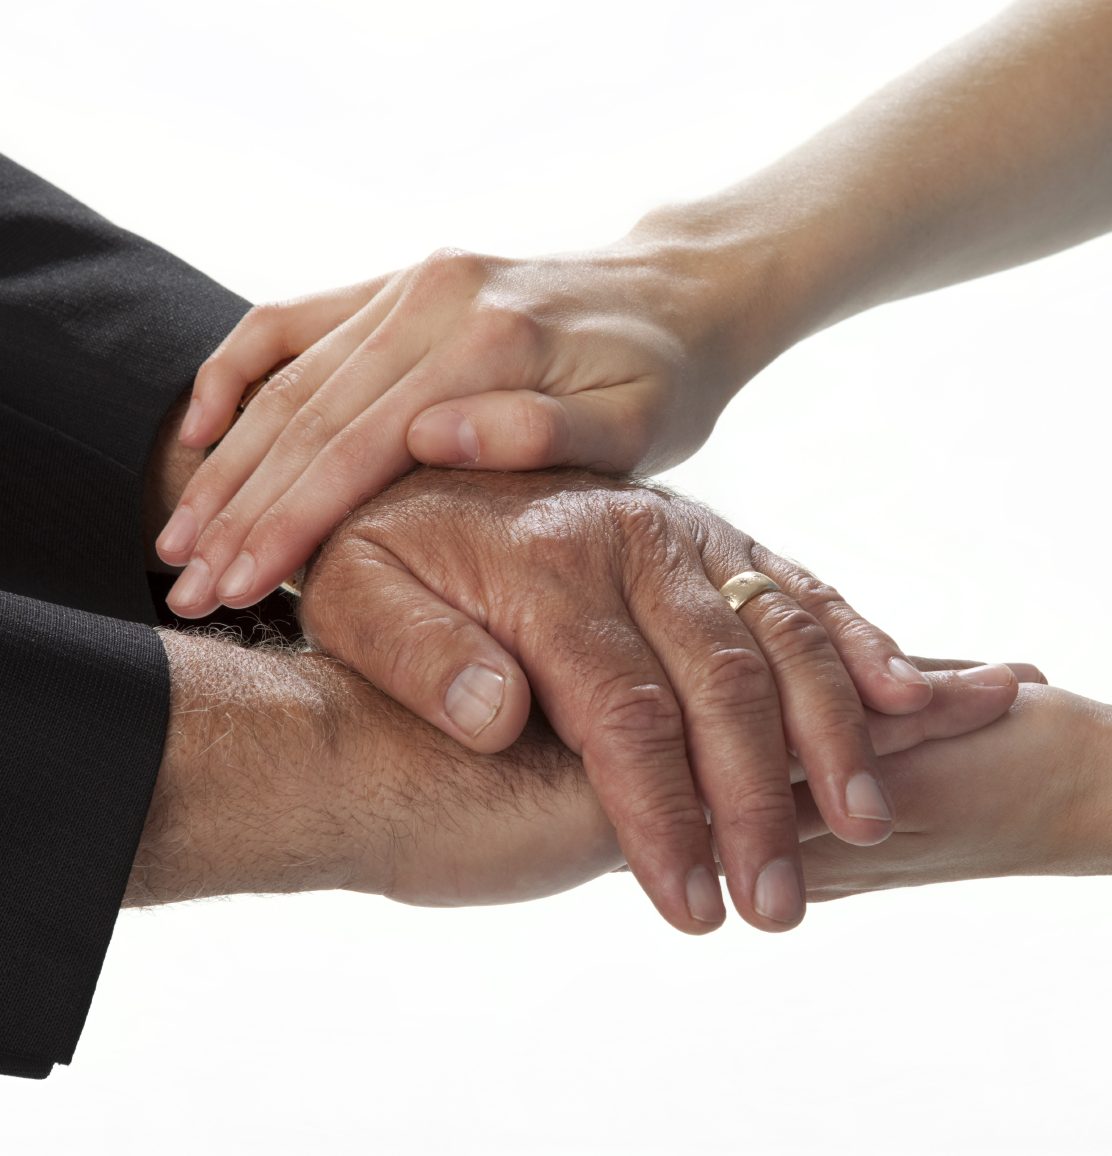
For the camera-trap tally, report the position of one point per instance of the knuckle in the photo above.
(347, 455)
(644, 524)
(815, 594)
(837, 727)
(274, 530)
(539, 429)
(664, 817)
(221, 528)
(736, 679)
(267, 319)
(792, 632)
(324, 608)
(285, 390)
(498, 327)
(827, 604)
(755, 807)
(450, 268)
(309, 425)
(413, 654)
(208, 483)
(647, 716)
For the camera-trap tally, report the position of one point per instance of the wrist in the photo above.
(1088, 829)
(760, 267)
(242, 802)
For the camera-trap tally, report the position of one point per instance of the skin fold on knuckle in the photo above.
(449, 271)
(827, 605)
(643, 718)
(209, 484)
(221, 532)
(283, 394)
(539, 429)
(654, 826)
(756, 814)
(415, 651)
(268, 321)
(789, 635)
(734, 682)
(647, 542)
(310, 425)
(499, 328)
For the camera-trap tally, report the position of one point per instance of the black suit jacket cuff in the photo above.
(74, 796)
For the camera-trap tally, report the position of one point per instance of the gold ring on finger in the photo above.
(746, 585)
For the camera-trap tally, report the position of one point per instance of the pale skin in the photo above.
(994, 152)
(1029, 795)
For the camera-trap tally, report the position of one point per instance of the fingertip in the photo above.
(193, 423)
(868, 812)
(239, 585)
(778, 899)
(175, 544)
(486, 705)
(901, 688)
(704, 901)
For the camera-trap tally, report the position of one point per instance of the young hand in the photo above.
(611, 360)
(1028, 795)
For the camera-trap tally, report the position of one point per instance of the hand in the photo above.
(1028, 795)
(284, 772)
(612, 360)
(607, 594)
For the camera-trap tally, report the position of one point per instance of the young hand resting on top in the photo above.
(994, 152)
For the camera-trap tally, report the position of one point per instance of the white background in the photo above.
(928, 458)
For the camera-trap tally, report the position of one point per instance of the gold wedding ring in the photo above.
(744, 586)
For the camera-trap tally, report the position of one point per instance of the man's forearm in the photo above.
(996, 151)
(283, 771)
(246, 796)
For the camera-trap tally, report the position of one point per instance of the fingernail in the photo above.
(777, 895)
(994, 675)
(179, 533)
(704, 896)
(191, 423)
(192, 584)
(237, 578)
(864, 799)
(455, 439)
(903, 671)
(474, 698)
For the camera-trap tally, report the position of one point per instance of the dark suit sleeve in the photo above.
(100, 332)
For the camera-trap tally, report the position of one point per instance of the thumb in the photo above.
(422, 652)
(520, 429)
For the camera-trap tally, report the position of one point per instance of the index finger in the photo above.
(264, 336)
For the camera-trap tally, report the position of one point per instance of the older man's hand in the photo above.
(286, 772)
(607, 594)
